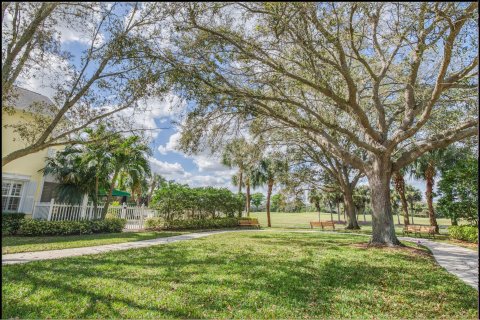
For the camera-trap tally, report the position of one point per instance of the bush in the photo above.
(201, 223)
(466, 233)
(155, 224)
(30, 227)
(11, 222)
(175, 200)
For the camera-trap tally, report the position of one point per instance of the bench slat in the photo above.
(322, 224)
(413, 228)
(251, 223)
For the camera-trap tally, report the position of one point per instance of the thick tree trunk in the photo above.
(429, 194)
(110, 192)
(269, 193)
(383, 229)
(338, 211)
(350, 209)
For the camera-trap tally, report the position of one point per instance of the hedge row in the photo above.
(31, 227)
(465, 233)
(11, 223)
(160, 224)
(174, 201)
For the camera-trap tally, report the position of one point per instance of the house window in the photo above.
(49, 191)
(11, 195)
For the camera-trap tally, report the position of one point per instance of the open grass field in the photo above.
(241, 275)
(302, 220)
(15, 244)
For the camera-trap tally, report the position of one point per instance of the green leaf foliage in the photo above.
(465, 233)
(157, 223)
(11, 223)
(176, 201)
(458, 190)
(31, 227)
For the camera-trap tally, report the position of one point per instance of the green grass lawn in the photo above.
(15, 244)
(283, 220)
(241, 275)
(302, 220)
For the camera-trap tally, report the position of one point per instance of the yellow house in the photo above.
(22, 183)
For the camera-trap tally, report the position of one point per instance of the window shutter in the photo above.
(28, 201)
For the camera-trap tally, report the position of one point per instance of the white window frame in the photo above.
(9, 195)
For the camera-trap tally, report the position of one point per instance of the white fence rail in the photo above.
(52, 211)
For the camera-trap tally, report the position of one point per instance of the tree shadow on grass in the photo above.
(208, 278)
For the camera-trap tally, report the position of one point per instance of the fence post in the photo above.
(142, 213)
(124, 211)
(50, 210)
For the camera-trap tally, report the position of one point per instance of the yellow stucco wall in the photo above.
(27, 165)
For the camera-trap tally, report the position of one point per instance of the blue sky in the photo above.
(195, 170)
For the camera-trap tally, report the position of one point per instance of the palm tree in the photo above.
(242, 155)
(129, 155)
(97, 156)
(155, 182)
(400, 188)
(426, 168)
(315, 198)
(234, 156)
(75, 178)
(412, 195)
(361, 198)
(267, 171)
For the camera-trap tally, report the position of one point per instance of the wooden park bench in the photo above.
(249, 223)
(418, 229)
(322, 224)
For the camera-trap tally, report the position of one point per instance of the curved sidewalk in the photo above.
(459, 261)
(25, 257)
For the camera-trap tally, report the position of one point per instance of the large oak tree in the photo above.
(380, 75)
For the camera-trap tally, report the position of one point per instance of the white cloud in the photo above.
(207, 163)
(166, 168)
(175, 171)
(43, 79)
(171, 144)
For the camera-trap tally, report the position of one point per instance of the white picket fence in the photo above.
(52, 211)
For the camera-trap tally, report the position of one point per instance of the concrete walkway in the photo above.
(25, 257)
(459, 261)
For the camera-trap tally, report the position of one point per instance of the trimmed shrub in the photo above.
(175, 201)
(201, 223)
(156, 223)
(30, 227)
(11, 222)
(465, 233)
